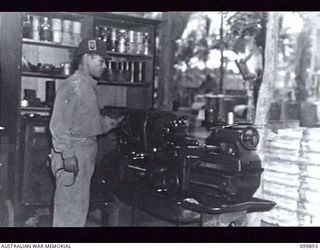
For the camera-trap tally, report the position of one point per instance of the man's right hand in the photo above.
(71, 164)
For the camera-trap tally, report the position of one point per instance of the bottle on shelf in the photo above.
(98, 33)
(132, 75)
(27, 27)
(122, 42)
(131, 42)
(114, 71)
(45, 30)
(146, 39)
(127, 71)
(114, 40)
(121, 72)
(141, 68)
(109, 40)
(139, 43)
(104, 35)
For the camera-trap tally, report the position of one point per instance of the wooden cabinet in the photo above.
(24, 58)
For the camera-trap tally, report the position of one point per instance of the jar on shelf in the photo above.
(35, 27)
(66, 34)
(122, 42)
(76, 33)
(27, 27)
(45, 30)
(56, 30)
(67, 26)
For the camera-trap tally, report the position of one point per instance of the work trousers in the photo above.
(71, 203)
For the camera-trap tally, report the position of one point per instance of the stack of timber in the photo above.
(292, 177)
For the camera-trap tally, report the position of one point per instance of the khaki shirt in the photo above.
(76, 113)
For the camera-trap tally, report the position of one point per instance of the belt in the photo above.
(83, 139)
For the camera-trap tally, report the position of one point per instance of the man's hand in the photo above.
(71, 164)
(109, 123)
(120, 119)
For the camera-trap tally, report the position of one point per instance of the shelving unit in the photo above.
(14, 79)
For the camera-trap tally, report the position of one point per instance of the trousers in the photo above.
(71, 203)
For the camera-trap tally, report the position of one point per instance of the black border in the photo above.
(159, 5)
(162, 235)
(153, 235)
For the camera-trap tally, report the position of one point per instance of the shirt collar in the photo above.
(87, 77)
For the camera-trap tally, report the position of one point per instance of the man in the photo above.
(74, 125)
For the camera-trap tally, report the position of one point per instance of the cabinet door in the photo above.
(10, 58)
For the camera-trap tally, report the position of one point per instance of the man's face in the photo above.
(96, 65)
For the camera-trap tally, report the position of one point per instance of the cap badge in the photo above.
(92, 45)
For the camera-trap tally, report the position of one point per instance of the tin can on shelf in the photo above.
(56, 24)
(66, 38)
(76, 27)
(66, 24)
(56, 36)
(66, 68)
(35, 27)
(76, 39)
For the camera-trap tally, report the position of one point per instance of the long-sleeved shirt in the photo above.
(76, 113)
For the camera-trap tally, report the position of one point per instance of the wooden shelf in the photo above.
(44, 111)
(48, 44)
(101, 82)
(134, 56)
(44, 75)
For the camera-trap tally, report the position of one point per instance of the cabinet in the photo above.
(31, 67)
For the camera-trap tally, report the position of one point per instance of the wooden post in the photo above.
(265, 96)
(172, 27)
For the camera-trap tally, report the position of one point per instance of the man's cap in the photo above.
(94, 46)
